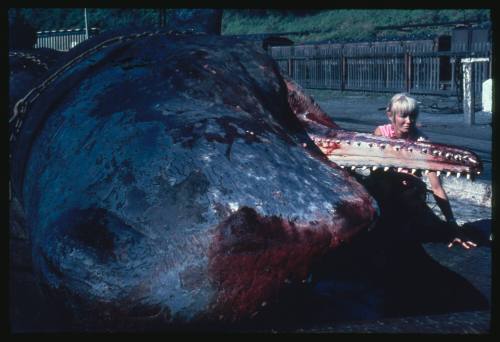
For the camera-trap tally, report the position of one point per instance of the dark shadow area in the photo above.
(386, 272)
(479, 231)
(383, 273)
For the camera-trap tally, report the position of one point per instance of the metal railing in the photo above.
(62, 40)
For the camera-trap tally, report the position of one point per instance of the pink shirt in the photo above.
(387, 131)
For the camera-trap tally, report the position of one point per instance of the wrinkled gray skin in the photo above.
(165, 177)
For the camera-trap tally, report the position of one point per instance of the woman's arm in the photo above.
(441, 197)
(444, 204)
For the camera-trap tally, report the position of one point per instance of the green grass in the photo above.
(338, 25)
(346, 24)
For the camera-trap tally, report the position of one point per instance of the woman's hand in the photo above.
(460, 238)
(467, 244)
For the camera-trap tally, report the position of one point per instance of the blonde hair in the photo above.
(403, 104)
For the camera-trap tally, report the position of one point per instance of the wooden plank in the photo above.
(429, 73)
(435, 73)
(360, 69)
(351, 75)
(387, 72)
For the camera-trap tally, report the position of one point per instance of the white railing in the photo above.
(62, 40)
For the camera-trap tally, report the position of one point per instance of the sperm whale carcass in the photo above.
(176, 176)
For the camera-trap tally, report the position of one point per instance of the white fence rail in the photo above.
(62, 40)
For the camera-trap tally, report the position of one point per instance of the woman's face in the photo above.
(403, 123)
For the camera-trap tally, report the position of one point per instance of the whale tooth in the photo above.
(374, 168)
(363, 168)
(435, 152)
(413, 171)
(426, 172)
(468, 176)
(458, 174)
(399, 169)
(457, 157)
(386, 168)
(472, 160)
(479, 172)
(438, 173)
(342, 166)
(448, 174)
(337, 141)
(448, 155)
(353, 167)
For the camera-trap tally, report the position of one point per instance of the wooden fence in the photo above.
(421, 71)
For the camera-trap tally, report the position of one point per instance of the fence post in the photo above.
(407, 72)
(343, 73)
(469, 92)
(469, 97)
(453, 75)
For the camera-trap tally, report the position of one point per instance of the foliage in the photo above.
(309, 25)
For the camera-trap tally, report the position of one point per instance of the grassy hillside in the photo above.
(346, 24)
(318, 25)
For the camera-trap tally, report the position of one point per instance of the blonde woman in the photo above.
(402, 112)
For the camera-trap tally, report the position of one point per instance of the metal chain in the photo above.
(29, 57)
(21, 107)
